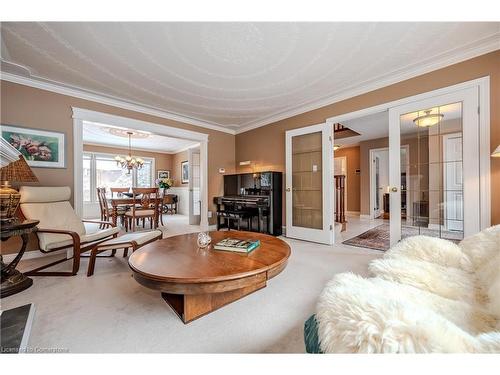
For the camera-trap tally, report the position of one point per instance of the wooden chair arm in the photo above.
(74, 236)
(108, 223)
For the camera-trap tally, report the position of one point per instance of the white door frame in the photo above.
(473, 204)
(326, 234)
(483, 87)
(372, 199)
(80, 115)
(344, 162)
(193, 219)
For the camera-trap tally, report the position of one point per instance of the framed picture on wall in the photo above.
(40, 148)
(185, 172)
(162, 174)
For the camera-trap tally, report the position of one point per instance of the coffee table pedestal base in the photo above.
(192, 306)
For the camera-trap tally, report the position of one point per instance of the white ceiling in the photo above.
(376, 125)
(235, 75)
(113, 136)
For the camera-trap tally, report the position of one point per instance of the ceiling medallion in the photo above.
(127, 133)
(428, 120)
(128, 162)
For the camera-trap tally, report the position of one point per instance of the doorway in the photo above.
(82, 115)
(446, 194)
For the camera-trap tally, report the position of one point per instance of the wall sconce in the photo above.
(246, 162)
(336, 147)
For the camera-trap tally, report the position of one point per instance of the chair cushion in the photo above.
(44, 194)
(431, 249)
(140, 213)
(85, 238)
(53, 215)
(125, 241)
(483, 246)
(447, 282)
(357, 315)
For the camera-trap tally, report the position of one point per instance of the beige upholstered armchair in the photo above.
(60, 228)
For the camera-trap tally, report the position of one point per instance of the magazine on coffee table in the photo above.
(236, 245)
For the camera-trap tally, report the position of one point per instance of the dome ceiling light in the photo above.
(428, 120)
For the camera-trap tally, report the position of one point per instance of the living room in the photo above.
(132, 175)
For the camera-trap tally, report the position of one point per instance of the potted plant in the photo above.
(164, 183)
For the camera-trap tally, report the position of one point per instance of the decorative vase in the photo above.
(204, 240)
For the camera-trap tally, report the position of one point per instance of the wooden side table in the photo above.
(12, 280)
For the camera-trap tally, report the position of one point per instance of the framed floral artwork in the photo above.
(40, 148)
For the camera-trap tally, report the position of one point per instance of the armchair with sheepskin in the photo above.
(426, 295)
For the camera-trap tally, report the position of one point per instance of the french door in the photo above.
(309, 188)
(440, 184)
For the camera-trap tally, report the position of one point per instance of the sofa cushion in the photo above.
(448, 282)
(431, 249)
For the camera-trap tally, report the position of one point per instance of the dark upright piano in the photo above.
(255, 197)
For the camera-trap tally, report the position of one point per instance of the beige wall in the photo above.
(266, 145)
(177, 159)
(162, 161)
(353, 180)
(40, 109)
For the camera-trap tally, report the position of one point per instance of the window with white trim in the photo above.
(101, 170)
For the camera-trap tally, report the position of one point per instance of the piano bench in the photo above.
(235, 216)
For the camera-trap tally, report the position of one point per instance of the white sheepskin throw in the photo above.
(483, 246)
(446, 282)
(357, 315)
(435, 250)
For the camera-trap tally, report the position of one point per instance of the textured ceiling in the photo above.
(230, 74)
(112, 136)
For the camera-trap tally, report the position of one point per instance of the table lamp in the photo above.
(496, 153)
(13, 168)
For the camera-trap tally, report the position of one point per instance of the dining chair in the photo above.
(106, 211)
(147, 208)
(118, 191)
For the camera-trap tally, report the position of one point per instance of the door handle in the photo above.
(394, 189)
(287, 189)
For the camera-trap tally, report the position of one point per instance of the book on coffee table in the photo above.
(236, 245)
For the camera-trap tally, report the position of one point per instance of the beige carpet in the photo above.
(110, 312)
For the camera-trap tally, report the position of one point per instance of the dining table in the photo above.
(129, 201)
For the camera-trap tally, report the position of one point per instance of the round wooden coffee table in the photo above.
(195, 282)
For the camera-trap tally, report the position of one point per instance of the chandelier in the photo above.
(129, 162)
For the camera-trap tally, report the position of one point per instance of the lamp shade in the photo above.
(496, 153)
(14, 167)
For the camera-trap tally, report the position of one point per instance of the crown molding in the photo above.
(80, 93)
(481, 47)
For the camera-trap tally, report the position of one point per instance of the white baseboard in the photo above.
(365, 217)
(353, 213)
(212, 227)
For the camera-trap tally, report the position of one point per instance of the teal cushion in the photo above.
(311, 336)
